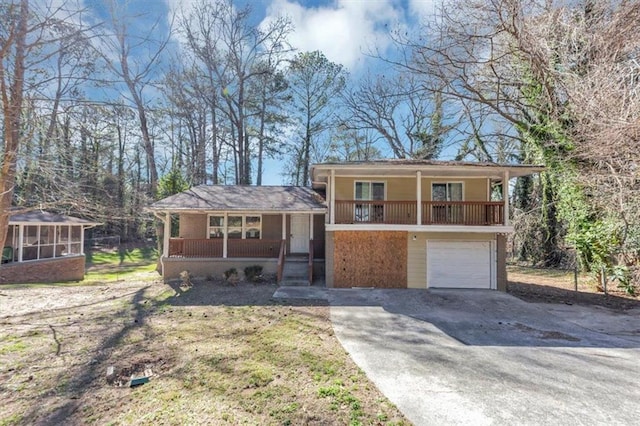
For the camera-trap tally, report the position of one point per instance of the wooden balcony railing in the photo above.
(466, 213)
(204, 248)
(463, 213)
(387, 212)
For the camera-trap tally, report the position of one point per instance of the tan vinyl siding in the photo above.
(395, 188)
(401, 189)
(405, 189)
(417, 252)
(193, 225)
(345, 188)
(271, 226)
(474, 189)
(501, 272)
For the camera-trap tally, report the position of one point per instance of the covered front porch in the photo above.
(243, 226)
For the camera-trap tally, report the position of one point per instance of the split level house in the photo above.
(387, 223)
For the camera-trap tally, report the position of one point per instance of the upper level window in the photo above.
(369, 191)
(236, 226)
(449, 191)
(447, 212)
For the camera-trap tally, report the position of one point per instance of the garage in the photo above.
(461, 264)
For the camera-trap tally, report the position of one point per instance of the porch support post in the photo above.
(38, 242)
(20, 242)
(311, 226)
(419, 197)
(225, 237)
(81, 239)
(284, 226)
(332, 197)
(167, 235)
(505, 196)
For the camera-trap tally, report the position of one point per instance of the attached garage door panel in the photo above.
(459, 264)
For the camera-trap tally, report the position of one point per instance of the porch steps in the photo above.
(296, 272)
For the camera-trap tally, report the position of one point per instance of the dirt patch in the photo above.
(552, 286)
(213, 354)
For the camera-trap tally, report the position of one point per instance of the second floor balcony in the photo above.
(463, 213)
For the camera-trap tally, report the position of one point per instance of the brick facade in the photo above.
(68, 268)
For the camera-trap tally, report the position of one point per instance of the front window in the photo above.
(237, 227)
(216, 226)
(369, 211)
(445, 198)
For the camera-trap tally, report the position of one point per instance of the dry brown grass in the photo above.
(559, 286)
(218, 354)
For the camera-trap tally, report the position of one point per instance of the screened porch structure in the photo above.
(37, 235)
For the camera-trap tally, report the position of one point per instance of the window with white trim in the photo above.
(369, 191)
(447, 212)
(236, 226)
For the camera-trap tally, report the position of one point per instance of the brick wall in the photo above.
(68, 268)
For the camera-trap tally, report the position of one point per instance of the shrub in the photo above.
(253, 273)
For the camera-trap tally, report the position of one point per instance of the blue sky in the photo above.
(344, 30)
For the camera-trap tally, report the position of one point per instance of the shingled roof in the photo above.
(243, 198)
(35, 217)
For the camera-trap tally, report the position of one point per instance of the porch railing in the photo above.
(203, 247)
(433, 212)
(281, 259)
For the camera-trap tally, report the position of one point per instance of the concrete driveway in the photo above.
(484, 357)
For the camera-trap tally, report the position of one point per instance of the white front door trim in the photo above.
(299, 238)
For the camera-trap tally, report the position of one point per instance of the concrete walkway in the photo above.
(485, 357)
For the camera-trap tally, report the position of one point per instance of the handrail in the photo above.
(281, 257)
(310, 262)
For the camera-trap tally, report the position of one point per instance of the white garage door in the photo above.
(460, 264)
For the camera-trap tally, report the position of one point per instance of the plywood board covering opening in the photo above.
(370, 259)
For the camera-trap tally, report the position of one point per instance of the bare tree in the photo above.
(234, 52)
(410, 119)
(314, 84)
(135, 71)
(13, 50)
(561, 80)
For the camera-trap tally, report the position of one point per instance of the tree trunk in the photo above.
(12, 98)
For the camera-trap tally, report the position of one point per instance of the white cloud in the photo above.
(343, 31)
(424, 8)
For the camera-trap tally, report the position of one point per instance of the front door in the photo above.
(299, 233)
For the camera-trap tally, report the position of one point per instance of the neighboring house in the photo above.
(416, 223)
(223, 227)
(390, 223)
(44, 247)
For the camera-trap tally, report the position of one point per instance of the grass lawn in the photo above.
(215, 354)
